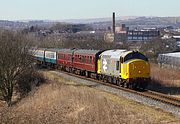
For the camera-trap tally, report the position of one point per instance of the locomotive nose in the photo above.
(139, 68)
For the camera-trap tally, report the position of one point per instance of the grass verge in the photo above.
(63, 101)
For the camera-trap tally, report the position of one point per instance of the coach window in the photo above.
(90, 59)
(69, 57)
(82, 58)
(75, 57)
(117, 65)
(87, 59)
(51, 56)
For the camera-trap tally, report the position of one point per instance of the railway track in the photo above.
(147, 93)
(163, 97)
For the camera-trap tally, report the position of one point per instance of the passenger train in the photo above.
(129, 69)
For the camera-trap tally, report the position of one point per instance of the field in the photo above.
(167, 76)
(165, 80)
(62, 101)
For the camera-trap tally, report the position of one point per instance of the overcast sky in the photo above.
(81, 9)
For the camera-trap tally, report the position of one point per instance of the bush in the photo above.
(28, 82)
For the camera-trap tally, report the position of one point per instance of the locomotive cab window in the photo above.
(135, 55)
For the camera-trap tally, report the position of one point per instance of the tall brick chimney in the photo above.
(113, 26)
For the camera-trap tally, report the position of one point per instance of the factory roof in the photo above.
(176, 54)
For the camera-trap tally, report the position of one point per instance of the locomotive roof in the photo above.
(84, 51)
(125, 53)
(117, 53)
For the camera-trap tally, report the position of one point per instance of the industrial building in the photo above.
(142, 35)
(123, 34)
(169, 60)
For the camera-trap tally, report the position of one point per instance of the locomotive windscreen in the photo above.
(135, 55)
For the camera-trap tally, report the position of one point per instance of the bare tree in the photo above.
(14, 62)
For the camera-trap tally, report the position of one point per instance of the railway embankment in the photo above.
(62, 100)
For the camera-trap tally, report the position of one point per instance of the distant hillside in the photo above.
(94, 20)
(131, 21)
(24, 24)
(140, 22)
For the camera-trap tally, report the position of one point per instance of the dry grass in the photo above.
(61, 101)
(165, 80)
(167, 77)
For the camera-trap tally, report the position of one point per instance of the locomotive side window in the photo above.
(135, 55)
(117, 65)
(121, 59)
